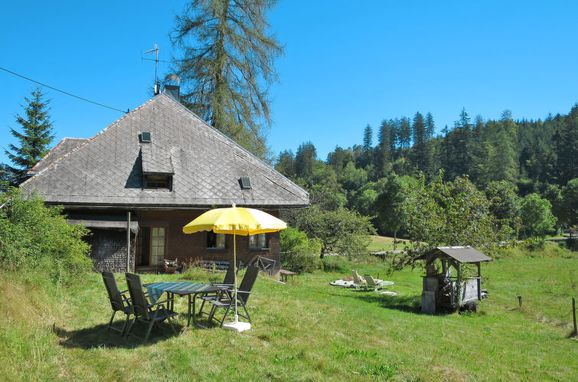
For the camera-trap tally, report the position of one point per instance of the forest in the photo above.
(481, 182)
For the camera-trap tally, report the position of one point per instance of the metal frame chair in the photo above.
(227, 283)
(226, 300)
(145, 312)
(119, 302)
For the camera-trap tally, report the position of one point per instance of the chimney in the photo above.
(172, 86)
(173, 91)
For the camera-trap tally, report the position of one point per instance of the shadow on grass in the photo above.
(409, 304)
(99, 336)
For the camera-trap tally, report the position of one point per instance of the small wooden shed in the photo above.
(452, 279)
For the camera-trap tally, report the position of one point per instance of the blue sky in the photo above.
(346, 63)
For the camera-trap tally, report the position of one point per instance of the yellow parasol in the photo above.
(236, 221)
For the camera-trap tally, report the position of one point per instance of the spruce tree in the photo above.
(227, 66)
(405, 133)
(566, 139)
(367, 146)
(33, 140)
(383, 151)
(420, 155)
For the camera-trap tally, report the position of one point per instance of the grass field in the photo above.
(307, 331)
(384, 243)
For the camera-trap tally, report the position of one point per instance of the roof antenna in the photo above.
(155, 50)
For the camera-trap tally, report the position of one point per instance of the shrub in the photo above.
(33, 236)
(298, 252)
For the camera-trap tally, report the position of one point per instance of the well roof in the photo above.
(464, 254)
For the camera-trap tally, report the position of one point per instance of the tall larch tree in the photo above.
(33, 141)
(227, 66)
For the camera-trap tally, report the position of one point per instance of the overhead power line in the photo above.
(62, 91)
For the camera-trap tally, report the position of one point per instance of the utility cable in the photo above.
(62, 91)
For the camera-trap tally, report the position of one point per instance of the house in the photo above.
(140, 180)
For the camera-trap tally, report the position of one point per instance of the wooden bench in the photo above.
(285, 274)
(215, 264)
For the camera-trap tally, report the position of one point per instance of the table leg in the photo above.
(194, 297)
(171, 301)
(189, 312)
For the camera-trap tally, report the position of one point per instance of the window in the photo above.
(145, 137)
(157, 245)
(215, 240)
(245, 182)
(258, 241)
(158, 181)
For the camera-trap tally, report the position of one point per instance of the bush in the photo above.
(534, 244)
(298, 252)
(33, 236)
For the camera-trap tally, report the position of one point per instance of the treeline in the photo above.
(527, 171)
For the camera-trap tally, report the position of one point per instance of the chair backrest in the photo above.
(357, 279)
(114, 295)
(139, 301)
(370, 281)
(229, 276)
(247, 284)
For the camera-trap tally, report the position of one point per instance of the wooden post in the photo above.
(520, 302)
(479, 281)
(128, 242)
(574, 316)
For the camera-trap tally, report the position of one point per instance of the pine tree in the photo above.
(227, 66)
(405, 133)
(394, 137)
(420, 154)
(367, 156)
(430, 126)
(34, 139)
(457, 158)
(566, 139)
(383, 155)
(367, 138)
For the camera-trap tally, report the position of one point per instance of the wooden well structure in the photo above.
(453, 278)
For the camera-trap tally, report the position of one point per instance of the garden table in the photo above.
(181, 288)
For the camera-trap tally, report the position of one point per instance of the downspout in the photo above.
(128, 242)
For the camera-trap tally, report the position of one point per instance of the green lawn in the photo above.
(384, 243)
(306, 331)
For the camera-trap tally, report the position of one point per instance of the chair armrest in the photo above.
(223, 285)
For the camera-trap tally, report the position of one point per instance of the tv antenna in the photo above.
(155, 50)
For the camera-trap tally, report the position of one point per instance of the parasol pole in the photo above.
(235, 273)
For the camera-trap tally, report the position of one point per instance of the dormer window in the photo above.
(245, 183)
(158, 181)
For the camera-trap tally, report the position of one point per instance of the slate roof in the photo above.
(62, 148)
(107, 170)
